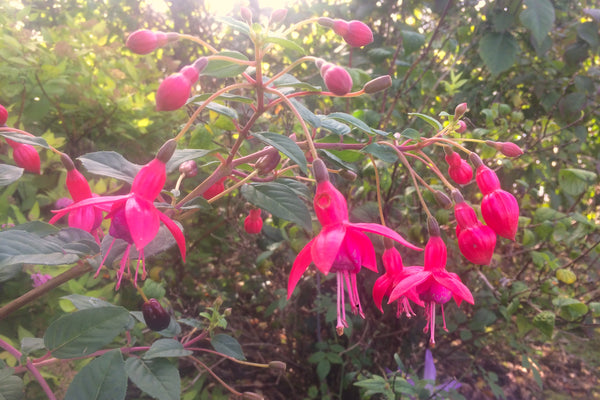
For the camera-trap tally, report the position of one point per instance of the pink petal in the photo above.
(103, 203)
(458, 289)
(385, 231)
(143, 221)
(407, 283)
(326, 246)
(357, 241)
(175, 231)
(301, 263)
(382, 284)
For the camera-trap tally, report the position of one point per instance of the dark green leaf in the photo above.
(285, 145)
(26, 139)
(183, 155)
(498, 51)
(279, 200)
(430, 120)
(224, 68)
(412, 41)
(81, 302)
(575, 181)
(11, 386)
(298, 187)
(221, 109)
(323, 368)
(102, 379)
(306, 114)
(227, 345)
(110, 163)
(588, 32)
(29, 345)
(158, 378)
(383, 152)
(18, 247)
(84, 332)
(334, 126)
(538, 17)
(349, 119)
(336, 160)
(222, 97)
(544, 321)
(9, 174)
(197, 202)
(166, 348)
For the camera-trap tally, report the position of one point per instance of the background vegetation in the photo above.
(529, 73)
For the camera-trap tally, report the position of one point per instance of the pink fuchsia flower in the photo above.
(175, 90)
(134, 218)
(253, 222)
(499, 208)
(87, 218)
(462, 127)
(459, 170)
(394, 273)
(25, 156)
(434, 284)
(355, 33)
(144, 41)
(476, 241)
(336, 78)
(341, 247)
(509, 149)
(3, 115)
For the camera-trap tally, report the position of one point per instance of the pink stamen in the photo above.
(432, 313)
(444, 318)
(124, 262)
(356, 298)
(104, 259)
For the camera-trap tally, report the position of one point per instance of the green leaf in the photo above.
(323, 368)
(588, 32)
(279, 200)
(285, 145)
(166, 348)
(351, 120)
(84, 332)
(544, 321)
(498, 51)
(235, 24)
(183, 155)
(566, 276)
(110, 163)
(285, 43)
(334, 126)
(430, 120)
(29, 345)
(306, 114)
(227, 345)
(158, 378)
(18, 247)
(538, 17)
(9, 174)
(383, 152)
(223, 68)
(102, 379)
(411, 133)
(220, 109)
(222, 97)
(85, 302)
(575, 181)
(298, 187)
(26, 139)
(11, 386)
(412, 41)
(570, 309)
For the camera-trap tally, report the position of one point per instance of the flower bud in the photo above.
(166, 151)
(348, 175)
(324, 21)
(215, 189)
(355, 33)
(509, 149)
(156, 317)
(3, 115)
(433, 227)
(144, 41)
(25, 156)
(253, 222)
(442, 199)
(268, 162)
(337, 80)
(278, 366)
(462, 127)
(378, 84)
(174, 91)
(188, 168)
(460, 110)
(246, 15)
(459, 170)
(500, 210)
(487, 180)
(320, 171)
(278, 15)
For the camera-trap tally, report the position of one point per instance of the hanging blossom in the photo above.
(394, 273)
(134, 218)
(434, 284)
(340, 247)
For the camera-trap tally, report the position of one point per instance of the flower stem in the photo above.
(210, 371)
(378, 187)
(199, 41)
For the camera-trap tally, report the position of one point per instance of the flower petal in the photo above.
(103, 203)
(301, 263)
(384, 231)
(458, 289)
(358, 242)
(408, 283)
(326, 246)
(429, 373)
(382, 284)
(143, 221)
(175, 231)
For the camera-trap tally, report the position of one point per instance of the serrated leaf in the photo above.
(538, 17)
(575, 181)
(102, 379)
(110, 163)
(285, 43)
(498, 51)
(183, 155)
(279, 200)
(430, 120)
(383, 152)
(9, 174)
(566, 276)
(306, 114)
(158, 378)
(285, 145)
(224, 68)
(166, 348)
(84, 332)
(26, 139)
(544, 321)
(227, 345)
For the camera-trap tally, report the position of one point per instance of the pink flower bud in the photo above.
(268, 162)
(3, 115)
(144, 41)
(487, 180)
(355, 33)
(500, 210)
(459, 170)
(25, 156)
(462, 127)
(378, 84)
(246, 14)
(253, 222)
(189, 168)
(215, 189)
(278, 15)
(509, 149)
(338, 80)
(460, 110)
(341, 27)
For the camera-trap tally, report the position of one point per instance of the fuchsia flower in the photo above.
(394, 273)
(3, 115)
(216, 189)
(253, 222)
(499, 209)
(340, 247)
(134, 218)
(144, 41)
(476, 241)
(175, 90)
(509, 149)
(434, 284)
(87, 218)
(355, 33)
(459, 170)
(25, 156)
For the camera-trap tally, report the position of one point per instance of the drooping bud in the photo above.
(278, 15)
(174, 91)
(25, 156)
(214, 190)
(355, 33)
(509, 149)
(3, 115)
(378, 84)
(475, 240)
(144, 41)
(442, 199)
(253, 222)
(459, 170)
(433, 227)
(320, 171)
(279, 366)
(156, 317)
(348, 175)
(268, 162)
(189, 168)
(500, 210)
(462, 127)
(337, 80)
(166, 151)
(246, 15)
(460, 110)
